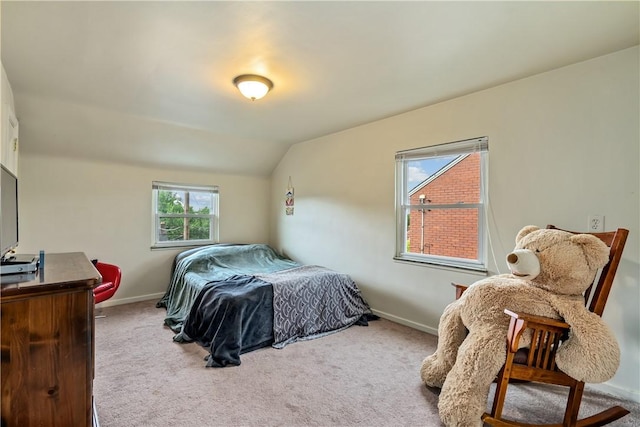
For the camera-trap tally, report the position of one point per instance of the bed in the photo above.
(232, 299)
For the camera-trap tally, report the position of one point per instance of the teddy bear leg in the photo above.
(464, 394)
(451, 334)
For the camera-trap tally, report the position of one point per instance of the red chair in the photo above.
(110, 281)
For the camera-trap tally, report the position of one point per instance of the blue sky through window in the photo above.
(419, 170)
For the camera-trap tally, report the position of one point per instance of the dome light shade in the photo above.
(253, 86)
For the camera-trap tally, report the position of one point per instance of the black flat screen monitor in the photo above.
(8, 211)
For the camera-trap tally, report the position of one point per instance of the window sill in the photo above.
(479, 271)
(181, 247)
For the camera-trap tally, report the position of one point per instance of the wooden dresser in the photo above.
(47, 344)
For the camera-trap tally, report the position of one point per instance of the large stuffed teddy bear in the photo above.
(550, 269)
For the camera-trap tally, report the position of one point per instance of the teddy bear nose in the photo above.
(512, 258)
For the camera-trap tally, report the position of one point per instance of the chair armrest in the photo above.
(103, 287)
(541, 320)
(552, 329)
(459, 289)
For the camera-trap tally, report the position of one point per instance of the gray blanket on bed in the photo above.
(230, 317)
(242, 313)
(312, 301)
(236, 298)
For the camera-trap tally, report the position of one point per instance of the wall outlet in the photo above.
(596, 223)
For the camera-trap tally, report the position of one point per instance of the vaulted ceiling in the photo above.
(150, 83)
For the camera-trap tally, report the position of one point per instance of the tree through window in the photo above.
(184, 215)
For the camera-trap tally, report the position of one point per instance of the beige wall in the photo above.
(104, 210)
(562, 145)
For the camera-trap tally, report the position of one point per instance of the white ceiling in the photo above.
(150, 82)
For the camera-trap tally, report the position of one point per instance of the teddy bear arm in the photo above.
(591, 354)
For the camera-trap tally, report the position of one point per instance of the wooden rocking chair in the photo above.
(539, 361)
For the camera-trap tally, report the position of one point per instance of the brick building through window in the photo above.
(448, 232)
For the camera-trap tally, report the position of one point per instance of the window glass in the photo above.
(440, 199)
(184, 215)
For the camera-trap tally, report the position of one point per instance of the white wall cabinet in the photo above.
(10, 147)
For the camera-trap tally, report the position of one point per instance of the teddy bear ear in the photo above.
(596, 252)
(526, 230)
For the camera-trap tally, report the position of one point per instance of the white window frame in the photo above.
(404, 207)
(213, 215)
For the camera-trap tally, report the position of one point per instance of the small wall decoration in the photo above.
(288, 202)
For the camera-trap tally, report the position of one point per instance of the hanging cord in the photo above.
(488, 212)
(493, 254)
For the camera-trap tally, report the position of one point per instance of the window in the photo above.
(184, 215)
(440, 204)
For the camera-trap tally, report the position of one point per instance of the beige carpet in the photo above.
(363, 376)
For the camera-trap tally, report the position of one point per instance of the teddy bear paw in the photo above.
(463, 423)
(433, 372)
(456, 415)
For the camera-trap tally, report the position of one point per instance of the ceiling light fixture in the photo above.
(253, 86)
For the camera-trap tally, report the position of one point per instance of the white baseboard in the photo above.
(406, 322)
(119, 301)
(612, 390)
